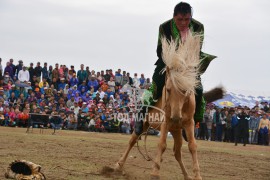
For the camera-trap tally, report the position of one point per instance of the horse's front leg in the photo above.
(161, 148)
(193, 149)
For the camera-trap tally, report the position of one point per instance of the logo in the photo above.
(141, 105)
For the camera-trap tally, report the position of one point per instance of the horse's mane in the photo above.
(183, 61)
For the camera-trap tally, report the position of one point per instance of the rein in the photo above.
(146, 156)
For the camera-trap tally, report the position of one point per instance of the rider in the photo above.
(178, 28)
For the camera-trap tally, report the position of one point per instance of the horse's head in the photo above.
(182, 61)
(174, 98)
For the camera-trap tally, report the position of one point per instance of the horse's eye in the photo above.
(168, 90)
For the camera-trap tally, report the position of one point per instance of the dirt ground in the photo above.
(82, 155)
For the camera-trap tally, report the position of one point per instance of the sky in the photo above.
(112, 34)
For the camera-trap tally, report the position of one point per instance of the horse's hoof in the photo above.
(154, 177)
(188, 178)
(197, 178)
(118, 167)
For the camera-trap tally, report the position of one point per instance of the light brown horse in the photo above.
(178, 103)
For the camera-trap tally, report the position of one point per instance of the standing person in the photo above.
(50, 72)
(31, 71)
(253, 126)
(178, 28)
(1, 68)
(263, 130)
(45, 73)
(19, 67)
(107, 76)
(130, 82)
(218, 124)
(118, 77)
(203, 128)
(55, 73)
(209, 122)
(13, 67)
(9, 70)
(23, 75)
(228, 129)
(37, 71)
(124, 79)
(242, 131)
(111, 84)
(81, 75)
(136, 81)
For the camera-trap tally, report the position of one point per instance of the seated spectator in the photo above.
(101, 93)
(71, 102)
(77, 96)
(93, 83)
(37, 93)
(125, 127)
(72, 121)
(92, 125)
(2, 117)
(80, 102)
(82, 92)
(97, 98)
(111, 84)
(6, 120)
(55, 121)
(5, 92)
(43, 83)
(8, 81)
(12, 99)
(83, 85)
(87, 97)
(147, 84)
(104, 86)
(136, 81)
(21, 118)
(74, 89)
(34, 81)
(142, 80)
(66, 89)
(32, 98)
(84, 107)
(16, 91)
(99, 125)
(63, 117)
(82, 123)
(61, 84)
(105, 99)
(74, 80)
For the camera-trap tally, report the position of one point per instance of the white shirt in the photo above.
(23, 75)
(136, 82)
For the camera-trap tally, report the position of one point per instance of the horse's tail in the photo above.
(214, 94)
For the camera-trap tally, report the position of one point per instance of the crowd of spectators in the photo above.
(79, 100)
(235, 124)
(88, 100)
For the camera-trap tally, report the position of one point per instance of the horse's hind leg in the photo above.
(177, 136)
(193, 149)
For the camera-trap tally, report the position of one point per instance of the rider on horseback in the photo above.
(178, 28)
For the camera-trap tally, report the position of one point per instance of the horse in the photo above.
(178, 103)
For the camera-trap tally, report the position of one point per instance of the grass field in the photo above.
(82, 155)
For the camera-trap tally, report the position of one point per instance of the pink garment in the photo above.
(61, 72)
(184, 34)
(12, 115)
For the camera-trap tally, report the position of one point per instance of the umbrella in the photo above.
(21, 84)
